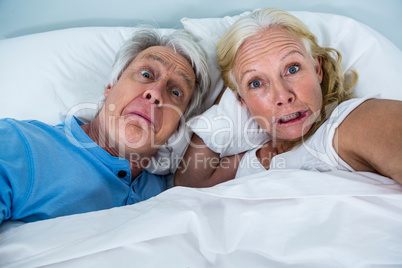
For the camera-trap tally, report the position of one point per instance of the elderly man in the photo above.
(50, 171)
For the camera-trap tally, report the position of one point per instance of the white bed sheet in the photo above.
(288, 218)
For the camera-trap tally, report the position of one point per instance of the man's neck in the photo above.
(135, 171)
(92, 129)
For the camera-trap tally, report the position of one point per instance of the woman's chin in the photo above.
(292, 135)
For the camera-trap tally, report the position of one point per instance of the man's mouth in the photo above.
(145, 117)
(295, 117)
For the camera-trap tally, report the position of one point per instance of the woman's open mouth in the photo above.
(293, 118)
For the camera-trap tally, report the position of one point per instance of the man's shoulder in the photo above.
(10, 125)
(11, 122)
(12, 130)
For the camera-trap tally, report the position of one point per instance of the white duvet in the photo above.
(288, 218)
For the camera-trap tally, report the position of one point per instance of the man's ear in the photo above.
(107, 90)
(319, 70)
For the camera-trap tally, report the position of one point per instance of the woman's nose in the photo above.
(284, 94)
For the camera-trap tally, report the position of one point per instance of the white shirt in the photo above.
(316, 154)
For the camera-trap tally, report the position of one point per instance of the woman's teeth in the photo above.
(289, 117)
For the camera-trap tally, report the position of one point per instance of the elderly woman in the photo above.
(297, 92)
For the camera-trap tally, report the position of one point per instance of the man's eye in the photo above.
(255, 84)
(146, 74)
(293, 69)
(176, 92)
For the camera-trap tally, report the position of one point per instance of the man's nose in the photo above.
(154, 94)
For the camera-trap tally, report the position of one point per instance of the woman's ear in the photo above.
(107, 90)
(319, 68)
(239, 98)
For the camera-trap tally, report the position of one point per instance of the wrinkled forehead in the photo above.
(169, 59)
(273, 41)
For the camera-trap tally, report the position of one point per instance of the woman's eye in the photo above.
(146, 74)
(293, 69)
(255, 84)
(176, 92)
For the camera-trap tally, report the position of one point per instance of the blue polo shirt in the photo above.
(51, 171)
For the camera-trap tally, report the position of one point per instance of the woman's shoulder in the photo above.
(370, 133)
(373, 113)
(346, 107)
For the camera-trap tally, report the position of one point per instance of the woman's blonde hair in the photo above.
(334, 87)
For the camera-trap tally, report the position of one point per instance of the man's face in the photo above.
(143, 109)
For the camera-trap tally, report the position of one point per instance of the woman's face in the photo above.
(279, 83)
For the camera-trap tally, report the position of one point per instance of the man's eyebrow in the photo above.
(183, 74)
(156, 58)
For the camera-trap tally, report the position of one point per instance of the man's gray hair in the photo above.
(181, 42)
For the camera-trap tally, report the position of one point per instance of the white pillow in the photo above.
(46, 75)
(373, 56)
(50, 75)
(228, 128)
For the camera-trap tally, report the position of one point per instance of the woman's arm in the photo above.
(202, 167)
(370, 138)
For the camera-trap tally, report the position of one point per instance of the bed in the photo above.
(59, 65)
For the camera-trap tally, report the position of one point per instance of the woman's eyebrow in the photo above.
(295, 51)
(246, 72)
(290, 53)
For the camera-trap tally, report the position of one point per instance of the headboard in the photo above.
(25, 17)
